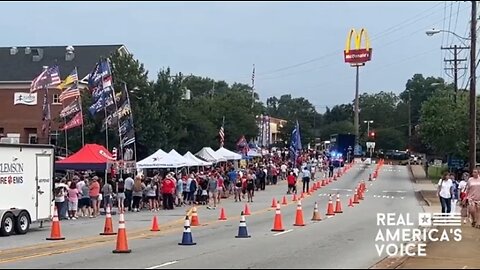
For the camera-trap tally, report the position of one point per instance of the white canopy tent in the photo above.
(196, 161)
(161, 160)
(209, 155)
(189, 162)
(227, 154)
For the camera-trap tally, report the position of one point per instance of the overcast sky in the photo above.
(297, 47)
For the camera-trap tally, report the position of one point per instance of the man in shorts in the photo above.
(212, 188)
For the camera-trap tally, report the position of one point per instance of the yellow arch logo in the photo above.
(361, 53)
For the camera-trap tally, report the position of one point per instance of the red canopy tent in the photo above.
(90, 157)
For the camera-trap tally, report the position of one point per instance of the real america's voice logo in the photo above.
(398, 233)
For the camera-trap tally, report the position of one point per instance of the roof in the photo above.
(90, 157)
(21, 67)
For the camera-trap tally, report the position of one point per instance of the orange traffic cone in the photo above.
(330, 211)
(355, 197)
(155, 227)
(338, 205)
(122, 245)
(294, 199)
(316, 214)
(277, 222)
(360, 193)
(299, 215)
(334, 177)
(350, 202)
(222, 215)
(324, 183)
(55, 233)
(246, 211)
(284, 201)
(108, 228)
(195, 221)
(274, 203)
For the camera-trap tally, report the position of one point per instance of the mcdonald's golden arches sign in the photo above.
(361, 53)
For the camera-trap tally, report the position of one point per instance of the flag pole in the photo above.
(81, 111)
(222, 142)
(66, 138)
(253, 86)
(118, 117)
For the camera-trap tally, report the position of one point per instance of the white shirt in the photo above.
(295, 171)
(462, 185)
(129, 183)
(283, 168)
(80, 185)
(445, 187)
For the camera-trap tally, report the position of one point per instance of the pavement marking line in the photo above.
(162, 265)
(280, 233)
(465, 267)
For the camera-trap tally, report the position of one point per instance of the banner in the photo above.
(25, 98)
(72, 108)
(100, 104)
(76, 121)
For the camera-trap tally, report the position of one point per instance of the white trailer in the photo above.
(26, 186)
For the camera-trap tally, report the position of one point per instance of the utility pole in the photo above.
(472, 155)
(456, 50)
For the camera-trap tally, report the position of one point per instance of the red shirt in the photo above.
(168, 186)
(291, 179)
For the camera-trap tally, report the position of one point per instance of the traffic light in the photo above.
(372, 134)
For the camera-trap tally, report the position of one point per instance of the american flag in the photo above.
(221, 133)
(70, 92)
(48, 77)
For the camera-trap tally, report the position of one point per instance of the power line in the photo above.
(374, 37)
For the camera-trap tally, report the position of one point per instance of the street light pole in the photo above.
(473, 95)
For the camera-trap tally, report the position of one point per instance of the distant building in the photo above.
(269, 130)
(20, 111)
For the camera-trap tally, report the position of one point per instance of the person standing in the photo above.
(94, 195)
(462, 186)
(212, 188)
(137, 193)
(73, 193)
(121, 195)
(283, 169)
(306, 179)
(250, 187)
(129, 192)
(179, 186)
(473, 198)
(445, 190)
(107, 191)
(291, 181)
(455, 193)
(168, 190)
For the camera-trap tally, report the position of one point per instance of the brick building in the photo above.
(20, 111)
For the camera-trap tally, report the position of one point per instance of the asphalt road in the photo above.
(343, 241)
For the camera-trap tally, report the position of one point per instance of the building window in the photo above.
(1, 133)
(56, 99)
(32, 139)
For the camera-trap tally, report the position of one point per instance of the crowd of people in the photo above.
(464, 193)
(83, 195)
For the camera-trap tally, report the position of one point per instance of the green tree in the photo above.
(444, 124)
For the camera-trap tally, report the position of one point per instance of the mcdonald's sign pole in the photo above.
(357, 57)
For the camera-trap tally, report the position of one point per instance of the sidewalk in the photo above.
(445, 255)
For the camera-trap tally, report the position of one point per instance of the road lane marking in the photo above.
(280, 233)
(340, 189)
(465, 267)
(162, 265)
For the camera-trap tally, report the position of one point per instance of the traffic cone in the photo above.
(360, 193)
(302, 196)
(55, 233)
(222, 215)
(330, 211)
(284, 201)
(195, 221)
(155, 227)
(277, 222)
(108, 227)
(274, 203)
(187, 239)
(355, 197)
(334, 177)
(338, 205)
(299, 215)
(242, 228)
(122, 245)
(316, 214)
(246, 211)
(324, 183)
(350, 202)
(294, 199)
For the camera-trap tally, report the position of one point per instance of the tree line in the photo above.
(164, 119)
